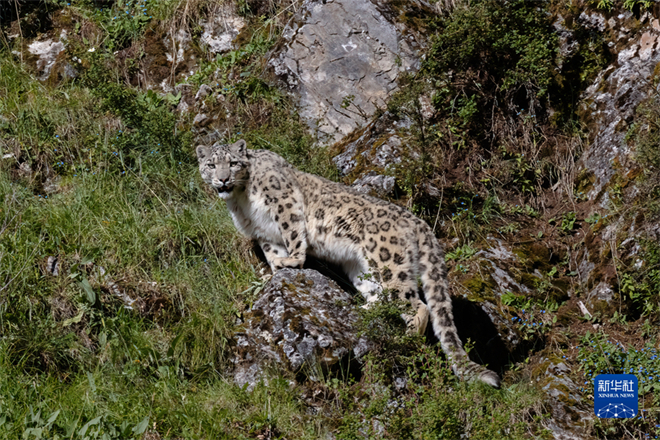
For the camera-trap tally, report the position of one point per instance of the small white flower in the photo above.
(91, 50)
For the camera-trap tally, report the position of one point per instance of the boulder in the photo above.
(609, 107)
(376, 149)
(488, 285)
(303, 323)
(343, 59)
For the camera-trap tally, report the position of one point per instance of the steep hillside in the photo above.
(525, 133)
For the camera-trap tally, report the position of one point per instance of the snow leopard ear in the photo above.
(203, 152)
(239, 147)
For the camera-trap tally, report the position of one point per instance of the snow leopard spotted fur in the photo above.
(379, 245)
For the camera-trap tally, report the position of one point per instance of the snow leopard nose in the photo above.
(220, 181)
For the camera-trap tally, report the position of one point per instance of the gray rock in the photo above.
(183, 107)
(70, 71)
(302, 322)
(47, 52)
(52, 185)
(593, 20)
(372, 182)
(187, 100)
(346, 161)
(378, 145)
(53, 265)
(177, 44)
(221, 28)
(204, 91)
(571, 416)
(389, 152)
(603, 291)
(178, 54)
(201, 120)
(568, 45)
(24, 169)
(501, 260)
(611, 101)
(343, 59)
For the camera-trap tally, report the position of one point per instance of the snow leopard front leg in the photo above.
(286, 206)
(272, 252)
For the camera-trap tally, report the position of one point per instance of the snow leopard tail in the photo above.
(434, 280)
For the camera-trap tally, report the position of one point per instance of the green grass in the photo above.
(74, 361)
(116, 402)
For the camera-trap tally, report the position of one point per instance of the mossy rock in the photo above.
(480, 289)
(303, 323)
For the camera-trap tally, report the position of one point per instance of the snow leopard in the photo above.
(379, 245)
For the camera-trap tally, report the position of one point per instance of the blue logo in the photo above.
(615, 396)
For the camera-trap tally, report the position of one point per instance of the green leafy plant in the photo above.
(510, 228)
(605, 4)
(124, 21)
(461, 253)
(533, 321)
(593, 218)
(608, 5)
(347, 101)
(513, 49)
(599, 355)
(567, 223)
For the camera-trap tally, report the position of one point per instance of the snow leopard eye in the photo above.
(212, 166)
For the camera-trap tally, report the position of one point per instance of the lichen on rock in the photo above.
(302, 323)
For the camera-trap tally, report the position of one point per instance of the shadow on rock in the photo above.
(474, 324)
